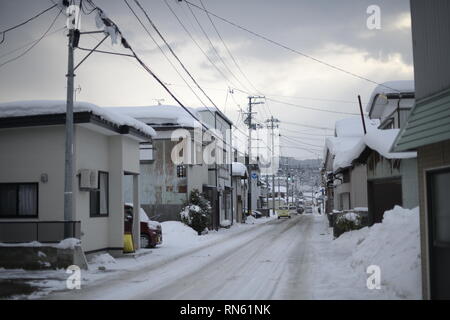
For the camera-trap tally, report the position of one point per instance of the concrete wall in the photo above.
(429, 157)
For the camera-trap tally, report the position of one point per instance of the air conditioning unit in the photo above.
(88, 179)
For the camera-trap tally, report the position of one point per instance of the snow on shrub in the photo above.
(346, 222)
(197, 212)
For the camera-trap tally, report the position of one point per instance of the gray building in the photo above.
(427, 131)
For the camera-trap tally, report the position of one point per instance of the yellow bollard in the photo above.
(128, 246)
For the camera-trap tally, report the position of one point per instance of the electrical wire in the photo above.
(34, 44)
(3, 33)
(288, 48)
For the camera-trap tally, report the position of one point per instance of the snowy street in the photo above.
(270, 261)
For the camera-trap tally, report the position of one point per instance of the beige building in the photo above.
(106, 150)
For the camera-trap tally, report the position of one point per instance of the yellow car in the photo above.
(284, 212)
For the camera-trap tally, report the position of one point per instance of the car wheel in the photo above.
(145, 241)
(278, 217)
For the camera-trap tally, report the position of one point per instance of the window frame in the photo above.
(431, 217)
(17, 216)
(97, 214)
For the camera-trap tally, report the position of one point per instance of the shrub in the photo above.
(346, 222)
(197, 212)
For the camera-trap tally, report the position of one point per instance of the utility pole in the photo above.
(68, 165)
(252, 100)
(272, 126)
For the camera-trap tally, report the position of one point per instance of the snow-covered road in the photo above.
(270, 261)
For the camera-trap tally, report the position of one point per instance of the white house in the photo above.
(106, 150)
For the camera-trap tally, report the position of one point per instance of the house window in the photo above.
(181, 171)
(18, 200)
(98, 198)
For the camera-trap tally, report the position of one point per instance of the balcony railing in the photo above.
(41, 231)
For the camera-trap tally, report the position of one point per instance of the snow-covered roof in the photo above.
(353, 127)
(213, 109)
(161, 115)
(48, 107)
(239, 169)
(350, 142)
(390, 87)
(375, 139)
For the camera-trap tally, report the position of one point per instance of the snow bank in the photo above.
(393, 245)
(250, 220)
(177, 234)
(102, 259)
(46, 107)
(225, 223)
(69, 243)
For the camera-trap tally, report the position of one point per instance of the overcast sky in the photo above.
(332, 31)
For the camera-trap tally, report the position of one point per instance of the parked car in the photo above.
(308, 209)
(292, 209)
(151, 231)
(284, 212)
(257, 214)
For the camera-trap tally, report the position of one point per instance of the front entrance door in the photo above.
(438, 195)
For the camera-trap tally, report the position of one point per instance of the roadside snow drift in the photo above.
(393, 245)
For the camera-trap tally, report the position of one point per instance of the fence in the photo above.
(41, 231)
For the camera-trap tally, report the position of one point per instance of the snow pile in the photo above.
(225, 223)
(393, 245)
(239, 169)
(250, 220)
(177, 234)
(102, 259)
(69, 243)
(46, 107)
(161, 115)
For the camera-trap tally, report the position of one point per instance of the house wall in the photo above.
(379, 167)
(36, 150)
(114, 154)
(430, 33)
(162, 193)
(29, 152)
(428, 157)
(340, 189)
(358, 186)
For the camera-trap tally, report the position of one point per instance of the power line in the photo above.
(227, 49)
(3, 33)
(214, 48)
(162, 51)
(301, 142)
(308, 133)
(306, 125)
(311, 108)
(34, 44)
(290, 49)
(31, 42)
(173, 53)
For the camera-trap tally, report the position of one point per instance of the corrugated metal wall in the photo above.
(431, 44)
